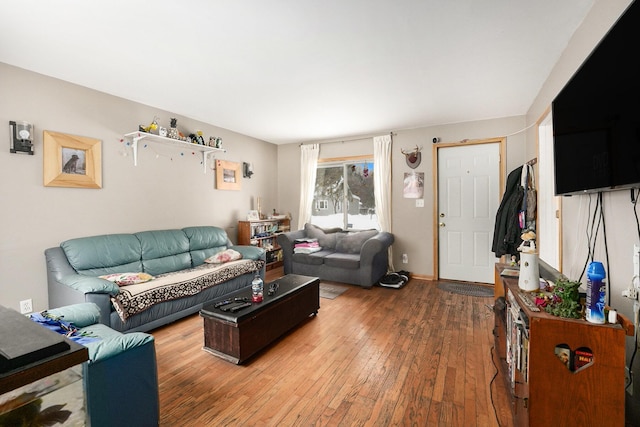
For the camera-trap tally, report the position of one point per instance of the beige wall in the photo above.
(167, 189)
(412, 226)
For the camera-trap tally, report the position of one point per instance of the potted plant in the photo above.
(564, 300)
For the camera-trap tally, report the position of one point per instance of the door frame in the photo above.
(546, 120)
(502, 165)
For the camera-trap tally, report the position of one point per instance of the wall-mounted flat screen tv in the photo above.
(596, 116)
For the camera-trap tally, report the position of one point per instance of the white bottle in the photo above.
(257, 289)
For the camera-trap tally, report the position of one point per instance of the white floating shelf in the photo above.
(135, 137)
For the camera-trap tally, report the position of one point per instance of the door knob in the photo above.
(442, 224)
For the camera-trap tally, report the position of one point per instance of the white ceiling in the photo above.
(300, 70)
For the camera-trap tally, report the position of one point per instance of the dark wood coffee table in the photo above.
(237, 336)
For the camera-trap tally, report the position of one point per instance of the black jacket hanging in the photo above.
(506, 234)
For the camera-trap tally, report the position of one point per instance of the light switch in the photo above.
(419, 203)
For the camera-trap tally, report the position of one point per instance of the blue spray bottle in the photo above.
(596, 290)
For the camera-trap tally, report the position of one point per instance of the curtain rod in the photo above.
(360, 138)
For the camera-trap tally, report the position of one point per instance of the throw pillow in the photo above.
(224, 256)
(326, 238)
(123, 279)
(351, 243)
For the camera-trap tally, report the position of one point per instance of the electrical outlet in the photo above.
(632, 291)
(405, 258)
(26, 306)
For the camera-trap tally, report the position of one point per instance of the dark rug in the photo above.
(331, 291)
(467, 289)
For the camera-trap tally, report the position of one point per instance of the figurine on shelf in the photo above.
(200, 138)
(197, 138)
(153, 126)
(212, 141)
(173, 130)
(528, 244)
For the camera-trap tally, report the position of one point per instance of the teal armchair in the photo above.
(120, 379)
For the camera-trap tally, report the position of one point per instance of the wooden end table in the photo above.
(42, 351)
(237, 336)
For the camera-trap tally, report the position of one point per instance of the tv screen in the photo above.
(596, 116)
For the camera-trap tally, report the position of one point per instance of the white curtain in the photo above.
(308, 166)
(382, 184)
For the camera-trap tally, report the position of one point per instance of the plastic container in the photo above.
(257, 289)
(596, 290)
(529, 278)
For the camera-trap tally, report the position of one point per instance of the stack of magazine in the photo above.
(574, 360)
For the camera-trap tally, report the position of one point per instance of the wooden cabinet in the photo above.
(544, 389)
(262, 233)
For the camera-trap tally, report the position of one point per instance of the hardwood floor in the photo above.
(417, 356)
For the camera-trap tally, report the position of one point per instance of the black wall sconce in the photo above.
(247, 170)
(21, 137)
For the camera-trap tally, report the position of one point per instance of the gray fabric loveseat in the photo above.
(175, 259)
(354, 257)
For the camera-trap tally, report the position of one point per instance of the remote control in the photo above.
(222, 303)
(232, 305)
(240, 307)
(228, 307)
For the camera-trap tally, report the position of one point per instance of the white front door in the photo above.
(468, 199)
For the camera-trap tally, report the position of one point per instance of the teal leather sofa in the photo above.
(120, 380)
(74, 269)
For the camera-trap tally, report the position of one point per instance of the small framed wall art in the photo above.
(72, 161)
(413, 185)
(228, 175)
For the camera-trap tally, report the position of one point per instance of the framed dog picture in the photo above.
(72, 161)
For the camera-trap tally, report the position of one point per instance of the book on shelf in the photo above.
(510, 272)
(582, 357)
(525, 358)
(564, 354)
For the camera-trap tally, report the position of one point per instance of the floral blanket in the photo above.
(134, 299)
(68, 329)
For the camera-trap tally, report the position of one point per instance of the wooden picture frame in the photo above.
(71, 161)
(228, 175)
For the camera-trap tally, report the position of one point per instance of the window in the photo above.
(344, 196)
(322, 205)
